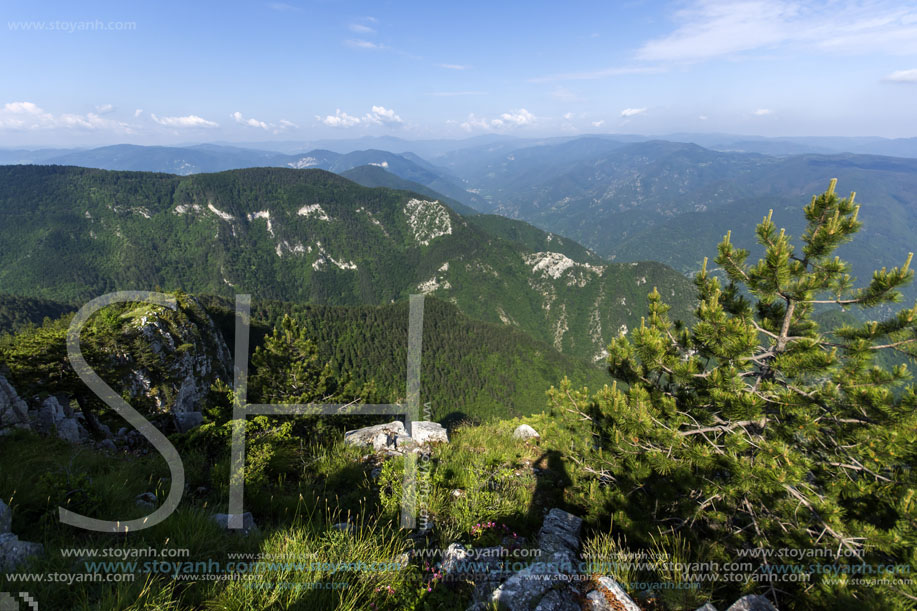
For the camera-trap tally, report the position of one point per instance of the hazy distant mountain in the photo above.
(672, 202)
(216, 158)
(376, 176)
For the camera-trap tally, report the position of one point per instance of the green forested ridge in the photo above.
(470, 370)
(303, 235)
(19, 312)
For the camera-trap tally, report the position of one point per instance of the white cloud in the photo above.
(568, 115)
(138, 112)
(364, 44)
(632, 112)
(715, 28)
(382, 116)
(763, 112)
(359, 28)
(340, 119)
(284, 124)
(702, 117)
(598, 123)
(453, 66)
(30, 116)
(518, 117)
(598, 74)
(249, 122)
(378, 115)
(186, 121)
(902, 76)
(515, 118)
(104, 109)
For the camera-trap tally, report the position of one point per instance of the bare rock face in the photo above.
(559, 534)
(14, 413)
(189, 354)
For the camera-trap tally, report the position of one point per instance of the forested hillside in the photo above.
(307, 236)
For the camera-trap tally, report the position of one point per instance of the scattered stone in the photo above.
(248, 522)
(559, 600)
(146, 499)
(375, 473)
(609, 596)
(524, 589)
(14, 552)
(345, 527)
(122, 432)
(455, 554)
(71, 431)
(707, 607)
(424, 432)
(457, 493)
(108, 444)
(524, 431)
(752, 602)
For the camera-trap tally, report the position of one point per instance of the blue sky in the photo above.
(84, 73)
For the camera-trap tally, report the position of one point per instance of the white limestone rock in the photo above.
(524, 431)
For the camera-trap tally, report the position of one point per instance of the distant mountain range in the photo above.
(623, 197)
(673, 202)
(310, 236)
(216, 158)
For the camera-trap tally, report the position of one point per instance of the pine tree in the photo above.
(287, 367)
(757, 428)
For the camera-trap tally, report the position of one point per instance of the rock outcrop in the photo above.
(545, 585)
(189, 355)
(14, 413)
(51, 416)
